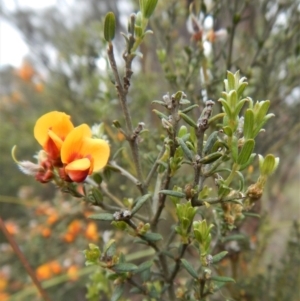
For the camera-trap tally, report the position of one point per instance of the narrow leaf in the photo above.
(152, 236)
(139, 203)
(188, 154)
(176, 194)
(118, 292)
(124, 267)
(160, 114)
(144, 266)
(188, 120)
(249, 124)
(227, 131)
(102, 216)
(246, 152)
(213, 137)
(188, 109)
(264, 107)
(222, 279)
(234, 149)
(226, 107)
(220, 256)
(148, 8)
(231, 81)
(239, 106)
(189, 268)
(210, 158)
(109, 26)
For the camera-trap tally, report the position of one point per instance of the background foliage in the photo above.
(67, 71)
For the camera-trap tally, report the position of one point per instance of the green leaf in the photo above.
(118, 292)
(102, 216)
(188, 120)
(188, 154)
(138, 31)
(222, 279)
(241, 88)
(231, 81)
(213, 137)
(110, 248)
(139, 203)
(109, 26)
(189, 268)
(246, 152)
(176, 194)
(144, 266)
(124, 267)
(147, 7)
(98, 197)
(268, 165)
(188, 109)
(159, 102)
(263, 109)
(234, 237)
(226, 107)
(210, 158)
(251, 214)
(234, 148)
(262, 123)
(97, 178)
(160, 114)
(232, 100)
(220, 256)
(249, 124)
(243, 166)
(228, 131)
(239, 106)
(150, 236)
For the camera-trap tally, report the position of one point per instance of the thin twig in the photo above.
(154, 167)
(125, 173)
(122, 91)
(23, 260)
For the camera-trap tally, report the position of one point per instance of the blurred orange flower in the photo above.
(55, 267)
(3, 284)
(26, 72)
(46, 232)
(82, 155)
(74, 227)
(52, 218)
(12, 227)
(51, 130)
(39, 87)
(73, 272)
(91, 231)
(4, 297)
(44, 272)
(68, 237)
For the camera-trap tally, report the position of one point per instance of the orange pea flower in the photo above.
(44, 272)
(91, 231)
(46, 232)
(55, 267)
(75, 227)
(72, 272)
(51, 130)
(83, 155)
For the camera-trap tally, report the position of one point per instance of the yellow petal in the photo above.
(55, 138)
(58, 122)
(71, 148)
(98, 150)
(78, 170)
(81, 164)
